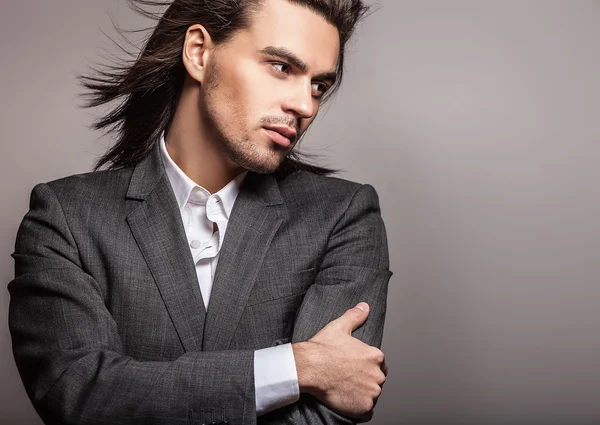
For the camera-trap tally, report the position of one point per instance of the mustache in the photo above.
(286, 121)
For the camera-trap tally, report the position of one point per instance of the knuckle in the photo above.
(352, 315)
(378, 355)
(355, 313)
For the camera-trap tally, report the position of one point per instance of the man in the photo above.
(208, 275)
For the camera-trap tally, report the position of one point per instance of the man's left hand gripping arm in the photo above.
(355, 268)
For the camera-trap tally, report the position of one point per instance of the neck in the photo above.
(194, 149)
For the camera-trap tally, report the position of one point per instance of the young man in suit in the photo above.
(208, 274)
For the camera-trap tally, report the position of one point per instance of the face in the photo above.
(263, 87)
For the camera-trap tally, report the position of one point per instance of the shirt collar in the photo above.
(183, 186)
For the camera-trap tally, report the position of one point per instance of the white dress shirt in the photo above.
(275, 375)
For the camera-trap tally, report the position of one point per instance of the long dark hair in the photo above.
(147, 88)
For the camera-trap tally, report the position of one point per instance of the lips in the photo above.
(282, 135)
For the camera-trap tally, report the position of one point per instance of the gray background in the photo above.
(477, 122)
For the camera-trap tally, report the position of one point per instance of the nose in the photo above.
(300, 102)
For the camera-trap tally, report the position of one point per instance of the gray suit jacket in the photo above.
(107, 319)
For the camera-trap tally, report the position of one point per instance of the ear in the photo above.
(197, 48)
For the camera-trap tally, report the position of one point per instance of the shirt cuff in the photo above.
(275, 378)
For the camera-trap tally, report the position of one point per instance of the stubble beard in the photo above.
(245, 154)
(240, 150)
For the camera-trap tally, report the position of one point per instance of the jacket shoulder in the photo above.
(93, 185)
(80, 194)
(304, 187)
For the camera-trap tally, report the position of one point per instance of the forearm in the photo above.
(102, 386)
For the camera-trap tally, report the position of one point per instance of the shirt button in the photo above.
(195, 244)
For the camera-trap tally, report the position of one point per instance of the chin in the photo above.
(262, 163)
(253, 155)
(262, 167)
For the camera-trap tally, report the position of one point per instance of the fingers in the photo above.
(382, 373)
(382, 379)
(384, 368)
(354, 317)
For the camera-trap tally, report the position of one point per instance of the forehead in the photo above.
(297, 28)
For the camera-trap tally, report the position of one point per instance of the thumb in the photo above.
(354, 317)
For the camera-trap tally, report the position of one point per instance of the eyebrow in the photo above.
(287, 55)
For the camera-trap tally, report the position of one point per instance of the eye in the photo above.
(281, 67)
(319, 89)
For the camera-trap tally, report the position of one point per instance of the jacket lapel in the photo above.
(255, 218)
(158, 230)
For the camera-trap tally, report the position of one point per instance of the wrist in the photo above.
(306, 359)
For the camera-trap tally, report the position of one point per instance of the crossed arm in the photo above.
(72, 361)
(354, 269)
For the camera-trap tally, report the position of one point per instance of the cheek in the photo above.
(242, 101)
(243, 94)
(225, 105)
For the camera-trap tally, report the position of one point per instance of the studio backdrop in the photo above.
(478, 124)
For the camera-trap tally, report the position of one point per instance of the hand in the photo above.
(344, 373)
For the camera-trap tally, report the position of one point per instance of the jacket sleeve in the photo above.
(355, 268)
(70, 356)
